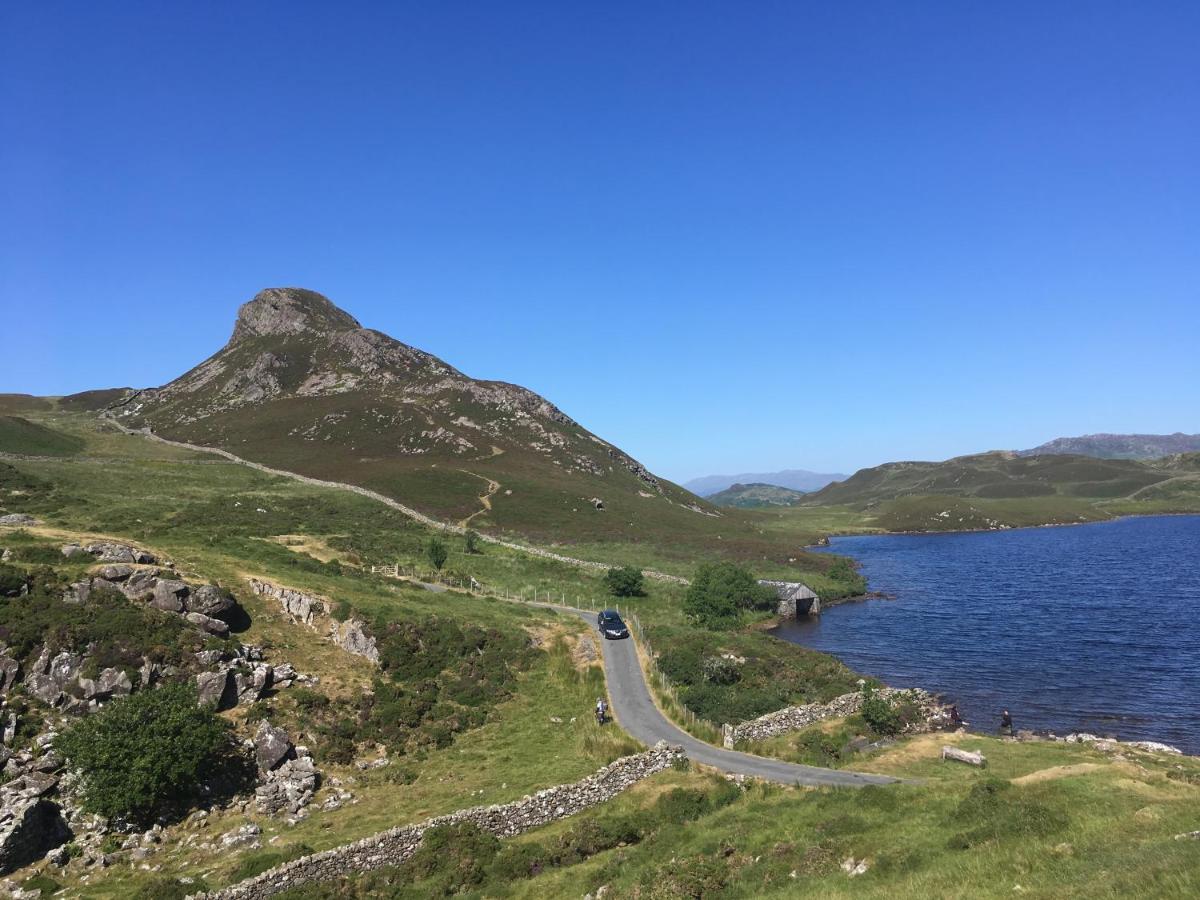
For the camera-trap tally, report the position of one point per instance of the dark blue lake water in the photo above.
(1087, 628)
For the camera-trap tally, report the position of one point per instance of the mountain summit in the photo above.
(301, 385)
(289, 311)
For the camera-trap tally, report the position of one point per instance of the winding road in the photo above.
(636, 712)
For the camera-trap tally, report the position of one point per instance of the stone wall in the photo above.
(396, 845)
(793, 718)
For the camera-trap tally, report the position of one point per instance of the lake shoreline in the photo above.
(1068, 705)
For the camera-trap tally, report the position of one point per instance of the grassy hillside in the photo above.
(753, 496)
(19, 435)
(1101, 826)
(301, 386)
(995, 490)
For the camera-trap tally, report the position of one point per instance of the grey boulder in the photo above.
(211, 601)
(215, 627)
(169, 595)
(15, 519)
(217, 689)
(271, 746)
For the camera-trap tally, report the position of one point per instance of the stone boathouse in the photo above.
(795, 599)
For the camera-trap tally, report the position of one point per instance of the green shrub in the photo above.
(12, 581)
(471, 541)
(625, 581)
(720, 592)
(150, 753)
(879, 713)
(437, 552)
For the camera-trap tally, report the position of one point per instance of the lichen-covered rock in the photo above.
(18, 520)
(77, 592)
(271, 746)
(10, 669)
(29, 829)
(352, 637)
(115, 572)
(211, 601)
(140, 585)
(252, 685)
(50, 676)
(288, 788)
(213, 626)
(169, 595)
(217, 689)
(298, 606)
(108, 684)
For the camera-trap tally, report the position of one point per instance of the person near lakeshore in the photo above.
(1006, 723)
(955, 717)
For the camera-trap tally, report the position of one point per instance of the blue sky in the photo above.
(727, 237)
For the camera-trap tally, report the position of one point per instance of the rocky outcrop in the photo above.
(299, 607)
(352, 637)
(271, 746)
(57, 680)
(217, 689)
(113, 552)
(31, 824)
(208, 607)
(393, 847)
(289, 788)
(18, 520)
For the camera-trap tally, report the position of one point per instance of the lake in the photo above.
(1083, 628)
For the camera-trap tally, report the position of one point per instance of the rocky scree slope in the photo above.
(303, 386)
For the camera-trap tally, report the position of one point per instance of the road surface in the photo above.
(636, 712)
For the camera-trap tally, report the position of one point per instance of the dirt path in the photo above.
(485, 498)
(388, 501)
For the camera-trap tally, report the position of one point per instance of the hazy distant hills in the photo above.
(754, 496)
(1120, 446)
(792, 479)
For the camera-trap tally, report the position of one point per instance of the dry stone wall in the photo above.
(793, 718)
(392, 847)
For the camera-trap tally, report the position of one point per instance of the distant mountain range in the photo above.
(792, 479)
(1120, 446)
(754, 496)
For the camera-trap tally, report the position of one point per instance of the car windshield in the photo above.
(608, 617)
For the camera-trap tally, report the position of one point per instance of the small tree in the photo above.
(148, 753)
(625, 581)
(471, 541)
(719, 593)
(437, 552)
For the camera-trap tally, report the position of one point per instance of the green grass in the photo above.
(20, 435)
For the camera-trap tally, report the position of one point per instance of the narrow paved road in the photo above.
(636, 712)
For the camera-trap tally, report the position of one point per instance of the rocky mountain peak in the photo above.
(288, 311)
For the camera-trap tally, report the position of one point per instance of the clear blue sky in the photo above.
(727, 237)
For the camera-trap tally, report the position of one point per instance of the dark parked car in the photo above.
(611, 626)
